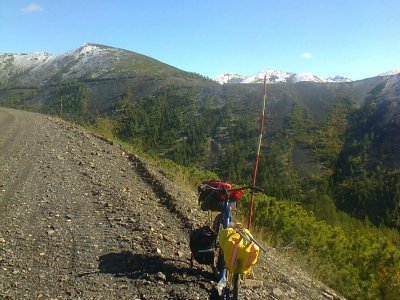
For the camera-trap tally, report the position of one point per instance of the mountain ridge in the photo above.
(88, 62)
(275, 76)
(95, 61)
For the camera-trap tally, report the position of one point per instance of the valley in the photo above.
(82, 218)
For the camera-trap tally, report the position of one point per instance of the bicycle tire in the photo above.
(231, 291)
(217, 224)
(236, 286)
(219, 259)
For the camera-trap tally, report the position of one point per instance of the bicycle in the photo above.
(229, 283)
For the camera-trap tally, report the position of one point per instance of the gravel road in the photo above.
(82, 219)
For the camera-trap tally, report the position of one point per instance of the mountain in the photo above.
(104, 72)
(89, 62)
(367, 172)
(273, 76)
(15, 65)
(97, 79)
(282, 76)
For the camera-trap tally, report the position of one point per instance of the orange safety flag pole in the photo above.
(254, 175)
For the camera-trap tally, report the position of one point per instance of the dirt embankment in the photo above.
(82, 219)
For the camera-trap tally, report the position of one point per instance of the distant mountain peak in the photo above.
(272, 76)
(93, 46)
(391, 72)
(90, 61)
(307, 76)
(275, 76)
(338, 78)
(89, 47)
(93, 49)
(229, 77)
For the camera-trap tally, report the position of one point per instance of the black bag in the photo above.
(202, 245)
(210, 200)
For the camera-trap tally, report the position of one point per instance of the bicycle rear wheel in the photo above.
(219, 257)
(236, 286)
(231, 291)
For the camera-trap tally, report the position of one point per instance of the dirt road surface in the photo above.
(82, 219)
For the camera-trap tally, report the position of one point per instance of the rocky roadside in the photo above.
(82, 219)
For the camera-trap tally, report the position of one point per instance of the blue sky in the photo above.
(354, 38)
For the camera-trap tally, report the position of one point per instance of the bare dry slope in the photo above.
(82, 219)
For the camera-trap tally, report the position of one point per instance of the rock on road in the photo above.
(82, 219)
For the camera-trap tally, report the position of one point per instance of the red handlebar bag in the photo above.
(235, 195)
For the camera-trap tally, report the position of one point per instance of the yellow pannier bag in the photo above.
(240, 254)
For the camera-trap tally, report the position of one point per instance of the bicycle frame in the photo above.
(226, 219)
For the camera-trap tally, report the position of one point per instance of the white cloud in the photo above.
(32, 8)
(306, 55)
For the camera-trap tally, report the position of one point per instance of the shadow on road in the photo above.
(143, 266)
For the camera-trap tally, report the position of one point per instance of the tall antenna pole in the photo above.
(254, 179)
(61, 107)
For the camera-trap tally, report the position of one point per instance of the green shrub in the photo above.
(363, 264)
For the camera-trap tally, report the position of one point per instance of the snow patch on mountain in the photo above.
(391, 72)
(338, 78)
(306, 76)
(14, 64)
(229, 77)
(88, 61)
(87, 51)
(85, 61)
(272, 76)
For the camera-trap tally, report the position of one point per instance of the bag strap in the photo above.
(239, 229)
